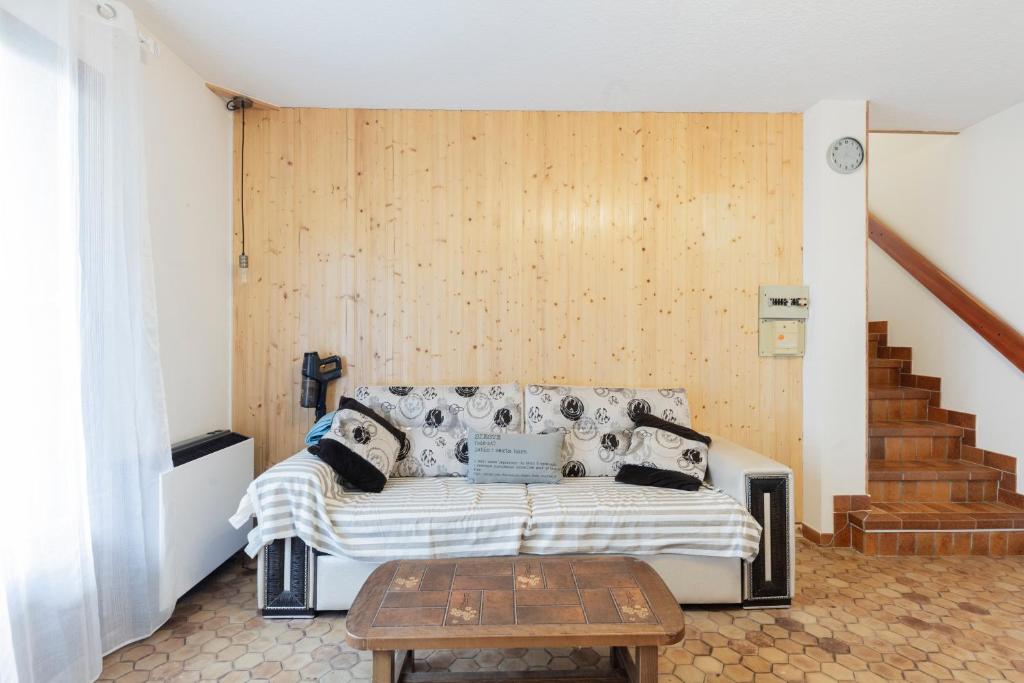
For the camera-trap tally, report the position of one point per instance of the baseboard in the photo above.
(841, 535)
(815, 536)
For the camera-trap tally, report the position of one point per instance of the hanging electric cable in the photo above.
(234, 104)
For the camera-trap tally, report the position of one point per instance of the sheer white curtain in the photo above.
(85, 435)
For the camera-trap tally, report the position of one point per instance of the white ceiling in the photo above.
(924, 64)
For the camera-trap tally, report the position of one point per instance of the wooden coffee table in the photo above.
(503, 602)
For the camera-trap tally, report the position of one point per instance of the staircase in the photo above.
(933, 492)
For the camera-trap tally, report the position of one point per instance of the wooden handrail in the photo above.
(977, 315)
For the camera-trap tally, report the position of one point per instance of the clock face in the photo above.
(845, 155)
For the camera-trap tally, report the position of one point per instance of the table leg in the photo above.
(404, 663)
(647, 664)
(383, 666)
(620, 658)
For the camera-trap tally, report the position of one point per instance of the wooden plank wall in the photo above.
(470, 247)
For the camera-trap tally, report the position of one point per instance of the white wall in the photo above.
(188, 166)
(835, 365)
(959, 200)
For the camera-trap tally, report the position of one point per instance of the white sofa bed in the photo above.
(731, 543)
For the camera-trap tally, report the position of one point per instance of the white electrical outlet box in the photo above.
(782, 313)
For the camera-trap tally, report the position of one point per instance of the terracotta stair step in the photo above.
(913, 428)
(930, 492)
(904, 353)
(883, 377)
(897, 403)
(896, 393)
(934, 490)
(884, 372)
(938, 517)
(929, 470)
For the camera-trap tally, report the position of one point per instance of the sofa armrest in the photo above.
(729, 464)
(765, 487)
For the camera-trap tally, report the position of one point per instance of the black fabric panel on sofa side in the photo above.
(769, 586)
(295, 599)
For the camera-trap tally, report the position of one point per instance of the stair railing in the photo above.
(979, 317)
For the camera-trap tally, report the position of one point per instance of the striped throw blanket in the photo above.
(412, 518)
(421, 518)
(600, 515)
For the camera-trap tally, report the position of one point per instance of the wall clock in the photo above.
(845, 155)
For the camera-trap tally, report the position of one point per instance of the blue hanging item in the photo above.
(322, 426)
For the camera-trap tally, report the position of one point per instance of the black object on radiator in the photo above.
(192, 449)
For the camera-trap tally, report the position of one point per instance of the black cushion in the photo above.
(351, 467)
(652, 476)
(337, 451)
(647, 420)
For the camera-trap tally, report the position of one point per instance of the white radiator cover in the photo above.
(196, 499)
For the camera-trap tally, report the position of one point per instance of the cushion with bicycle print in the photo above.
(361, 446)
(598, 422)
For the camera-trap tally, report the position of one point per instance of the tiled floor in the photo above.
(854, 618)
